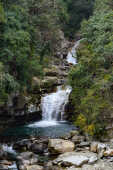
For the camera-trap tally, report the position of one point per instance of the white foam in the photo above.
(8, 149)
(53, 105)
(71, 57)
(44, 123)
(13, 166)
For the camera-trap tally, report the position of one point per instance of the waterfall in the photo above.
(53, 105)
(71, 57)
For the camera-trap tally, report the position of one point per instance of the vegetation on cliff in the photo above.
(30, 35)
(92, 77)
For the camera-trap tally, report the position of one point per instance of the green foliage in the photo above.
(77, 10)
(91, 78)
(28, 29)
(2, 14)
(7, 85)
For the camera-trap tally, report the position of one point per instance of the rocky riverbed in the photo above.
(70, 152)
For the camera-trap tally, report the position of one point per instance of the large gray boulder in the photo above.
(76, 159)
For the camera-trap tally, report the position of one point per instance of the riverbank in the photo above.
(70, 152)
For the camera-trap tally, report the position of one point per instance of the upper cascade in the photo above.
(71, 57)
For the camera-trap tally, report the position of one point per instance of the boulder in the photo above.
(108, 152)
(35, 167)
(76, 159)
(78, 139)
(25, 159)
(74, 132)
(22, 145)
(93, 147)
(99, 148)
(38, 148)
(57, 146)
(100, 165)
(84, 144)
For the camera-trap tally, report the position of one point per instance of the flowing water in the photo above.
(53, 107)
(72, 55)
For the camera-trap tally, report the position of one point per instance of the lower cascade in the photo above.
(53, 106)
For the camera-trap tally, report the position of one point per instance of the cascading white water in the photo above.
(53, 107)
(53, 104)
(8, 149)
(71, 57)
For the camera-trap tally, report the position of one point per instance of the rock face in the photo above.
(76, 158)
(57, 146)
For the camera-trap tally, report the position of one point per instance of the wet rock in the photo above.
(76, 159)
(22, 145)
(35, 167)
(77, 139)
(38, 148)
(60, 146)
